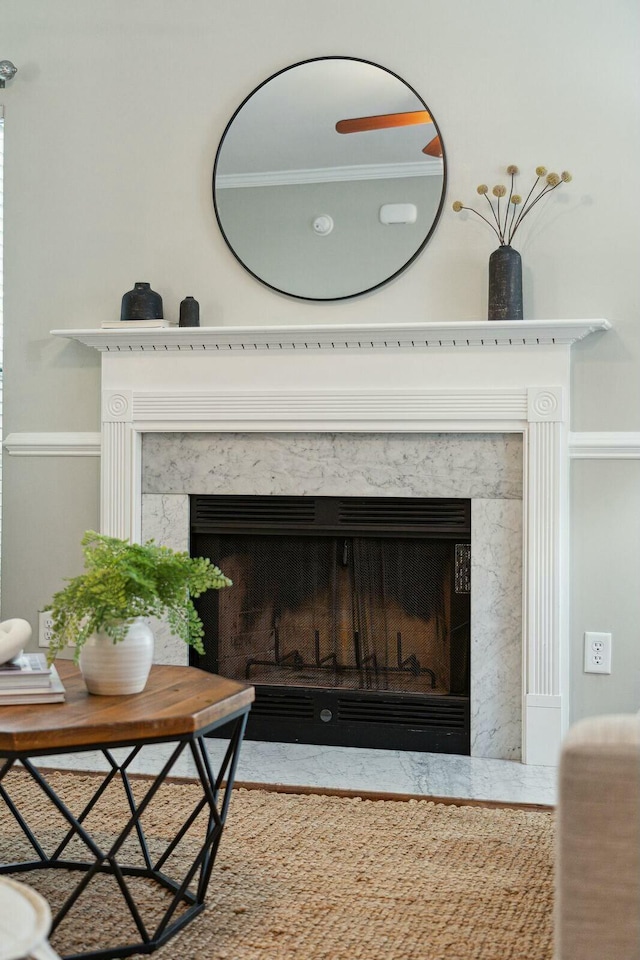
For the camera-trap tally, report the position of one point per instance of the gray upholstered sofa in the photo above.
(598, 841)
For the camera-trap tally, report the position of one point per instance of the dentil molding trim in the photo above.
(314, 337)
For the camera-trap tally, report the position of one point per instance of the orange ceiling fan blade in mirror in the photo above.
(433, 148)
(383, 121)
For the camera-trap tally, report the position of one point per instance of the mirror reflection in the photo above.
(329, 178)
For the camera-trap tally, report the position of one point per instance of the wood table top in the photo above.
(176, 701)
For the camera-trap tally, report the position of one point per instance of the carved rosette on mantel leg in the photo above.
(121, 468)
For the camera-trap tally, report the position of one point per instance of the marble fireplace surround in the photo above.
(473, 378)
(485, 468)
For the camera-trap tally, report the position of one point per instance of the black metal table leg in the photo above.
(189, 893)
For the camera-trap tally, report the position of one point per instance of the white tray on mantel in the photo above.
(468, 333)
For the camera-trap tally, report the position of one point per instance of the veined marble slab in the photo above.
(351, 768)
(344, 464)
(165, 519)
(496, 629)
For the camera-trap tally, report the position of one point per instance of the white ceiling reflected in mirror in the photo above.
(329, 178)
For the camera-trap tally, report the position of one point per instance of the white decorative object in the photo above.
(14, 636)
(25, 921)
(114, 669)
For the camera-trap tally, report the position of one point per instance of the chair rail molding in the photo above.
(603, 445)
(70, 444)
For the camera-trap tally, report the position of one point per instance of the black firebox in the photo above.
(349, 615)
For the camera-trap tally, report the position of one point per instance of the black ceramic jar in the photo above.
(141, 303)
(189, 313)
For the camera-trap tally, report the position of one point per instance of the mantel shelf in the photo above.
(357, 337)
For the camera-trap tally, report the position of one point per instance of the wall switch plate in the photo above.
(45, 623)
(597, 653)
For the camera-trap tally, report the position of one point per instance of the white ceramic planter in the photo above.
(113, 669)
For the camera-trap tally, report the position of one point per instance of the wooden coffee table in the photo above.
(179, 705)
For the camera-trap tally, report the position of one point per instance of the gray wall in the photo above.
(605, 594)
(112, 124)
(358, 254)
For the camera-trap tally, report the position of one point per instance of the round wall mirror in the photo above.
(329, 178)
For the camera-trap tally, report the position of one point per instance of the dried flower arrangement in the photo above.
(509, 219)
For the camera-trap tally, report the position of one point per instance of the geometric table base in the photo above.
(187, 894)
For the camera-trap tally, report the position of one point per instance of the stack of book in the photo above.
(136, 324)
(28, 679)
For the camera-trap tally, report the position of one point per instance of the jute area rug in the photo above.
(309, 877)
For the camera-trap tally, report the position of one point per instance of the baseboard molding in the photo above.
(604, 445)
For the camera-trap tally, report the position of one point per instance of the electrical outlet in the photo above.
(597, 653)
(45, 624)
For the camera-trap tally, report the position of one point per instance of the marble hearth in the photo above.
(395, 409)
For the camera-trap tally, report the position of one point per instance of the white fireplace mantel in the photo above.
(474, 377)
(469, 333)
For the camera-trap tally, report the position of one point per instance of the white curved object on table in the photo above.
(14, 636)
(25, 920)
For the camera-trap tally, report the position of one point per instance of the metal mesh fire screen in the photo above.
(342, 616)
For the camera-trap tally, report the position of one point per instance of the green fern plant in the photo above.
(125, 580)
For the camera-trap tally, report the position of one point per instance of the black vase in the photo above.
(505, 284)
(141, 303)
(189, 313)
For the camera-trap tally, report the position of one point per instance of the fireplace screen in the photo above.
(367, 603)
(354, 612)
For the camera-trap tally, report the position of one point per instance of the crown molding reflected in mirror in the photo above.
(333, 141)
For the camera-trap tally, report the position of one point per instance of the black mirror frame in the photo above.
(396, 273)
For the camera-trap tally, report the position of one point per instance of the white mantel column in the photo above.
(545, 620)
